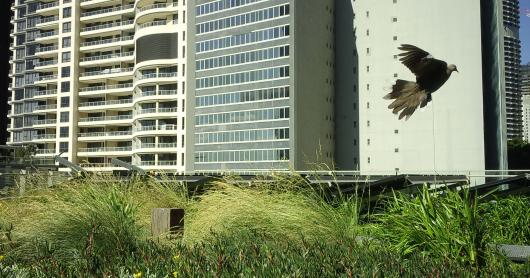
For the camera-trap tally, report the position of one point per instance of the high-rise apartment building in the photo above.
(96, 80)
(448, 134)
(264, 84)
(249, 85)
(512, 61)
(525, 89)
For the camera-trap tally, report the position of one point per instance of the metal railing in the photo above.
(47, 19)
(155, 128)
(156, 93)
(106, 118)
(46, 63)
(107, 133)
(47, 77)
(45, 107)
(45, 151)
(105, 149)
(44, 136)
(45, 93)
(107, 25)
(156, 6)
(109, 56)
(107, 41)
(106, 71)
(45, 122)
(106, 87)
(43, 6)
(157, 75)
(107, 10)
(47, 34)
(159, 145)
(46, 49)
(107, 102)
(155, 110)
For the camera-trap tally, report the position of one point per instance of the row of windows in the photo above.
(244, 57)
(245, 96)
(243, 136)
(242, 77)
(242, 39)
(243, 156)
(243, 19)
(243, 116)
(222, 5)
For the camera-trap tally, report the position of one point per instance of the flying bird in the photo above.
(430, 73)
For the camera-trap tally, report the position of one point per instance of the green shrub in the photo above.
(506, 220)
(442, 226)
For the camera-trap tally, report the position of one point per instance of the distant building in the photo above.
(512, 61)
(525, 88)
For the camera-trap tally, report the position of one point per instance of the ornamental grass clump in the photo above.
(436, 225)
(506, 220)
(282, 207)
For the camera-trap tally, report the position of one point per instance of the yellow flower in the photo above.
(138, 275)
(176, 257)
(175, 274)
(1, 257)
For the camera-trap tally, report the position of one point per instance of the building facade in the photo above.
(263, 84)
(212, 86)
(525, 89)
(448, 134)
(95, 80)
(512, 62)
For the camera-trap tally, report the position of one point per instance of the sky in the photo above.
(524, 33)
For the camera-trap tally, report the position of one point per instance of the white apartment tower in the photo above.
(448, 134)
(101, 79)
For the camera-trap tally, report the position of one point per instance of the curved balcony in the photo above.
(103, 151)
(45, 152)
(46, 79)
(155, 8)
(156, 147)
(48, 21)
(48, 8)
(45, 94)
(45, 65)
(159, 78)
(44, 123)
(45, 108)
(155, 113)
(45, 137)
(49, 36)
(155, 95)
(154, 130)
(47, 51)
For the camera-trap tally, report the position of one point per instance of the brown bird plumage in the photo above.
(430, 73)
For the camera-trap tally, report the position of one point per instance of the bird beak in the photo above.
(457, 70)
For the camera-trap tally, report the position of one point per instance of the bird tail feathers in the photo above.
(407, 96)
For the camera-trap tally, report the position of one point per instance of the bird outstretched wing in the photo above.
(419, 61)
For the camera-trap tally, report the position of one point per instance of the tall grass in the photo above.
(503, 221)
(283, 207)
(443, 226)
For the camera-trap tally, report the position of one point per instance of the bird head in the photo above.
(452, 68)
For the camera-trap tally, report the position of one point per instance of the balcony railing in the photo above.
(46, 63)
(43, 6)
(45, 122)
(156, 6)
(160, 163)
(107, 87)
(46, 151)
(47, 77)
(108, 10)
(96, 165)
(105, 149)
(45, 107)
(107, 41)
(46, 49)
(154, 110)
(105, 134)
(106, 71)
(109, 56)
(45, 93)
(47, 34)
(156, 93)
(106, 118)
(159, 145)
(107, 25)
(47, 19)
(157, 75)
(156, 128)
(44, 136)
(104, 103)
(156, 23)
